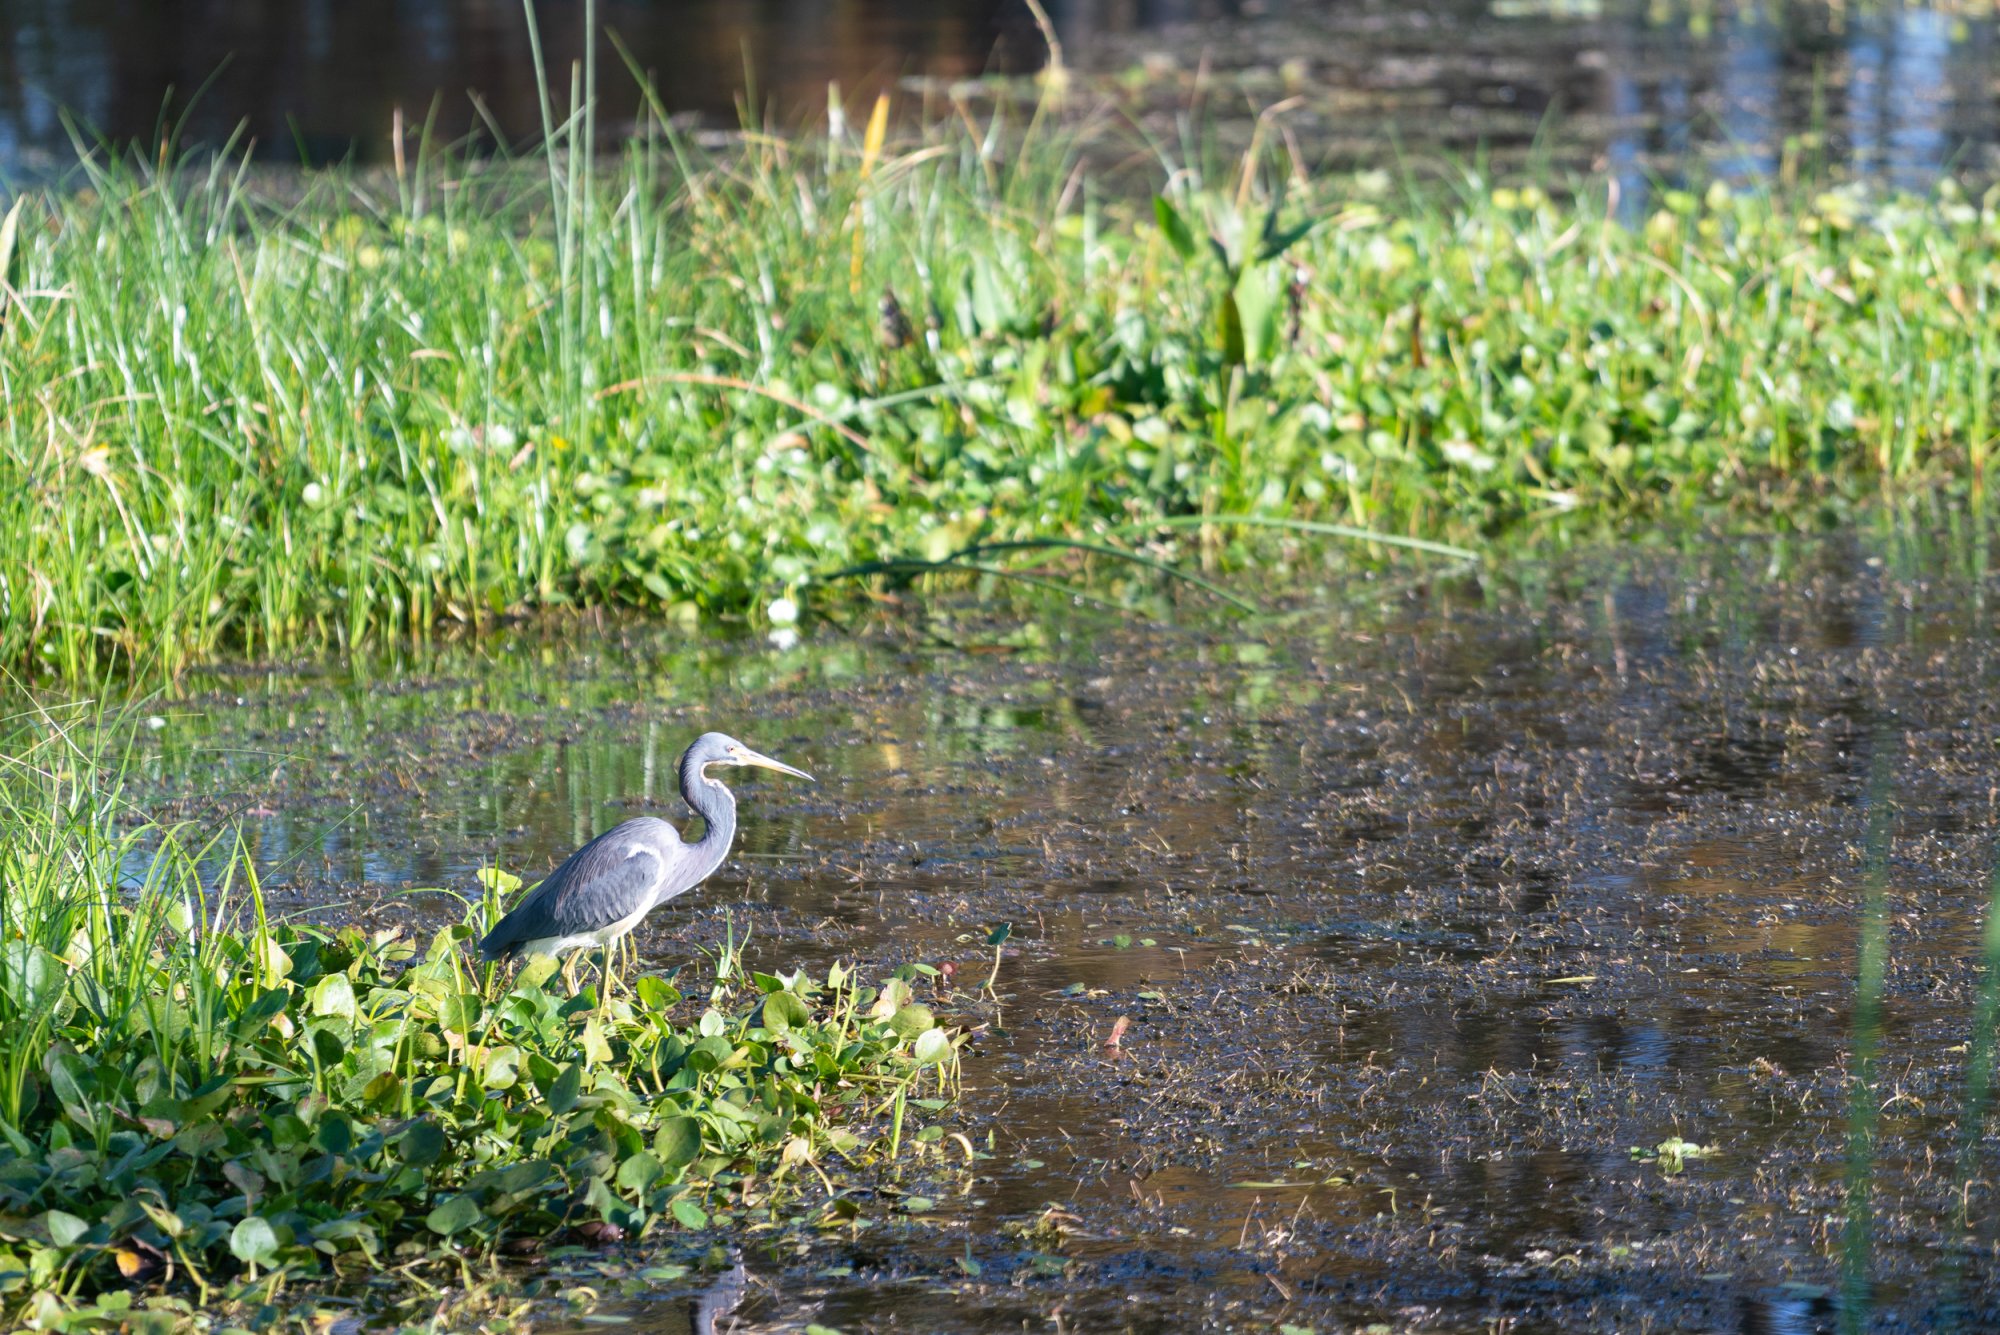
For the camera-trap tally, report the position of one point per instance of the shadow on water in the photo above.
(1485, 948)
(1638, 90)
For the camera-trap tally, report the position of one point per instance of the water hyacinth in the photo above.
(190, 1096)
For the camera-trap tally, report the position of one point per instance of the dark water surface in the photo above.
(1429, 904)
(1639, 88)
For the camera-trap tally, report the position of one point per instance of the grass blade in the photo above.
(1314, 526)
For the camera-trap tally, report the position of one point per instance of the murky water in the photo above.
(1433, 906)
(1636, 89)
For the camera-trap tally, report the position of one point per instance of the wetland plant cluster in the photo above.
(275, 414)
(199, 1106)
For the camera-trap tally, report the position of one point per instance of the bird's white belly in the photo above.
(592, 940)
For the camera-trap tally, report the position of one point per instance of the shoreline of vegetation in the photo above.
(731, 383)
(201, 1109)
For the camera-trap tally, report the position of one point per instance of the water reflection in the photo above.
(1896, 90)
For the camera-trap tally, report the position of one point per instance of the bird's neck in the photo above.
(716, 806)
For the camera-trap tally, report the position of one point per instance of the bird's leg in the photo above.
(569, 972)
(604, 978)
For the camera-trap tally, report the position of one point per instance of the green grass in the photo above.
(255, 414)
(199, 1106)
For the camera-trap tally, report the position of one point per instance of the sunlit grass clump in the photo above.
(264, 414)
(197, 1105)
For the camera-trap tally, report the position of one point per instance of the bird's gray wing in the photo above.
(609, 879)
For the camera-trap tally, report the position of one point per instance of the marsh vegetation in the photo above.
(721, 383)
(201, 1106)
(1313, 895)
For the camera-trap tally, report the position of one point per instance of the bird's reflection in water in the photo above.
(713, 1310)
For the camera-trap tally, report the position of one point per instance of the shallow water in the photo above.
(1638, 89)
(1428, 902)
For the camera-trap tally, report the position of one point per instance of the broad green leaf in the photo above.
(639, 1171)
(912, 1020)
(253, 1241)
(253, 1018)
(207, 1097)
(678, 1142)
(454, 1216)
(503, 1064)
(333, 995)
(562, 1095)
(271, 958)
(334, 1133)
(932, 1046)
(535, 973)
(783, 1011)
(459, 1012)
(690, 1214)
(31, 976)
(421, 1145)
(65, 1229)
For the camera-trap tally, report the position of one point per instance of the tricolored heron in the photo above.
(602, 890)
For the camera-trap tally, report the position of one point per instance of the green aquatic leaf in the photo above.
(65, 1229)
(421, 1144)
(783, 1011)
(502, 1068)
(656, 995)
(253, 1241)
(333, 997)
(640, 1171)
(911, 1020)
(678, 1142)
(536, 972)
(459, 1012)
(453, 1216)
(568, 1087)
(32, 978)
(932, 1047)
(253, 1018)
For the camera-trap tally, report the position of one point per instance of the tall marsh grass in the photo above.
(257, 413)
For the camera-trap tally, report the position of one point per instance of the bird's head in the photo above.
(719, 748)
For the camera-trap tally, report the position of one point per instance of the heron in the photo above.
(605, 888)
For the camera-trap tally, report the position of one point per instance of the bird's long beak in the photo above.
(748, 757)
